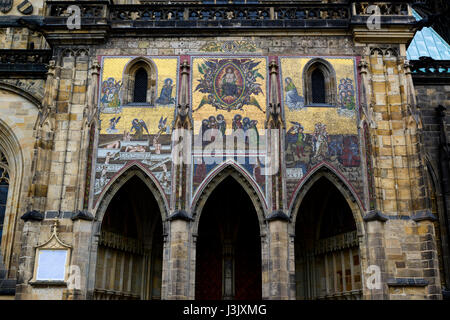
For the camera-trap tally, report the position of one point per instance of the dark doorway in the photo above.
(129, 259)
(327, 261)
(228, 246)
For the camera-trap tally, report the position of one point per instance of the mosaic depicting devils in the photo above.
(137, 132)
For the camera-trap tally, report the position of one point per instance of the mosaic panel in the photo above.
(229, 101)
(320, 133)
(137, 131)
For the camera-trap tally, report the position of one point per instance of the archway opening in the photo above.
(228, 262)
(130, 251)
(327, 258)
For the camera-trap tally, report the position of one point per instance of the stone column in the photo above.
(373, 257)
(79, 265)
(429, 257)
(178, 272)
(29, 240)
(278, 273)
(278, 260)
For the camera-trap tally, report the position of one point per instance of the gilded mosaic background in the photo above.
(136, 131)
(318, 133)
(229, 101)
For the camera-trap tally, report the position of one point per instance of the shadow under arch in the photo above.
(326, 171)
(116, 183)
(229, 168)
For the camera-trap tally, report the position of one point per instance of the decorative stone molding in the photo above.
(375, 215)
(384, 51)
(423, 215)
(278, 215)
(82, 215)
(180, 215)
(407, 282)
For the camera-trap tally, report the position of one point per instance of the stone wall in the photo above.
(18, 116)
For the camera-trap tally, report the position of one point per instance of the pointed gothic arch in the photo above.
(139, 77)
(327, 171)
(33, 98)
(126, 173)
(233, 169)
(229, 242)
(327, 224)
(319, 82)
(128, 239)
(12, 152)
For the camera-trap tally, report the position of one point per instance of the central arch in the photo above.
(228, 252)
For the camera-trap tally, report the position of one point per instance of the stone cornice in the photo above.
(100, 19)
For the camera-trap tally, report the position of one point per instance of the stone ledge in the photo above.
(82, 215)
(180, 215)
(278, 215)
(423, 215)
(375, 215)
(407, 282)
(33, 215)
(48, 283)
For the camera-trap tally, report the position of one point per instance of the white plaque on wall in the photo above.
(51, 265)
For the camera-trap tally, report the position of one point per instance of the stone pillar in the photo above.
(79, 265)
(278, 260)
(278, 240)
(429, 256)
(177, 280)
(373, 262)
(29, 237)
(400, 189)
(177, 272)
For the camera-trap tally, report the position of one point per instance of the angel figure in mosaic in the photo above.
(138, 126)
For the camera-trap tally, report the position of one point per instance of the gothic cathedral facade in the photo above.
(222, 150)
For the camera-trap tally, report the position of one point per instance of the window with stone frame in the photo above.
(319, 83)
(139, 82)
(4, 186)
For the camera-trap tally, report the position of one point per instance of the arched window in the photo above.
(318, 86)
(4, 185)
(319, 83)
(140, 86)
(139, 82)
